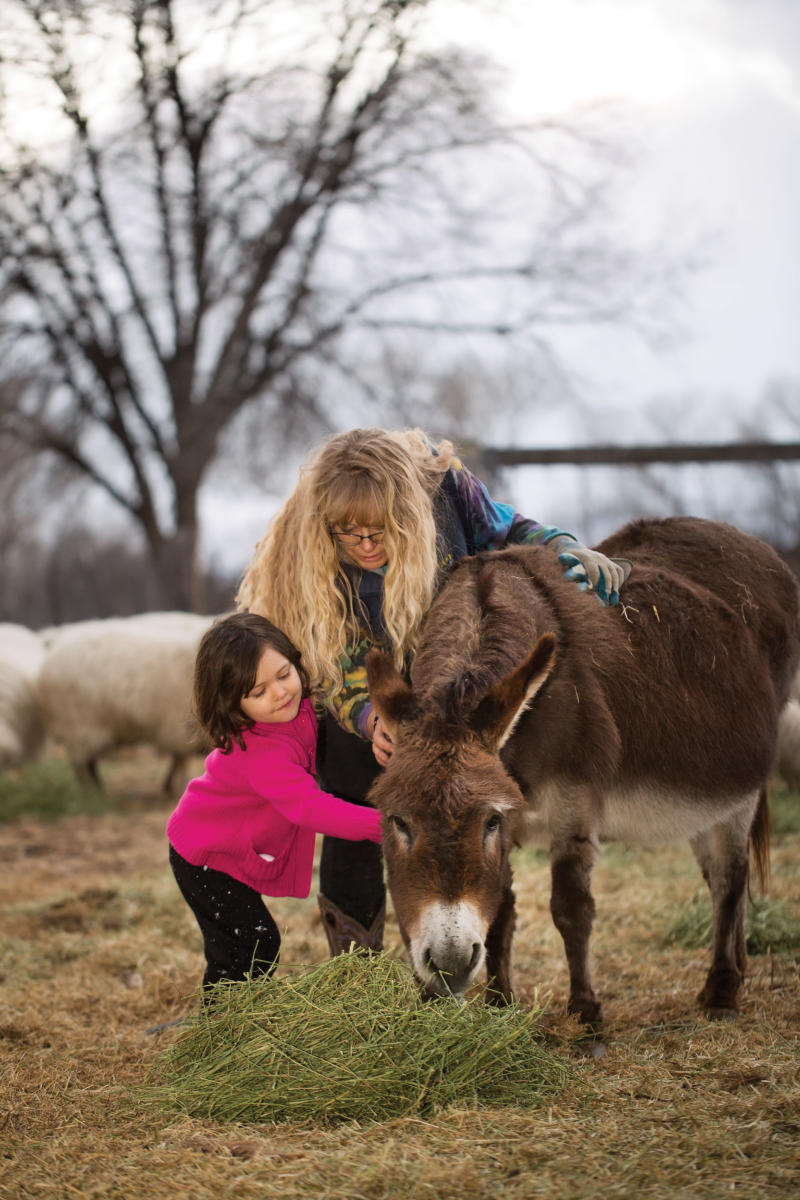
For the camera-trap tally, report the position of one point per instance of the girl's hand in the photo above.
(381, 742)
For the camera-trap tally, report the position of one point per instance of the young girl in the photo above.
(247, 826)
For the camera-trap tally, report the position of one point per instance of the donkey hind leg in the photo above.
(498, 951)
(722, 853)
(572, 907)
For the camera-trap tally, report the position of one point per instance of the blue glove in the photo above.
(592, 571)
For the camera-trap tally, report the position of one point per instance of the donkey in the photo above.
(651, 721)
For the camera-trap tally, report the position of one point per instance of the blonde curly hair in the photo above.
(375, 478)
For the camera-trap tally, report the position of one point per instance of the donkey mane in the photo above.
(460, 697)
(471, 639)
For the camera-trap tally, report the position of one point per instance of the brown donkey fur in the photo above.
(650, 721)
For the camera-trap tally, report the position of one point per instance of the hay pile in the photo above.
(350, 1040)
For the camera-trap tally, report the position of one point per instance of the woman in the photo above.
(353, 560)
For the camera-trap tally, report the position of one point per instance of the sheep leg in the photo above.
(173, 783)
(88, 773)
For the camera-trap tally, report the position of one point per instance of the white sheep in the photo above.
(174, 619)
(788, 763)
(119, 681)
(22, 648)
(788, 760)
(21, 721)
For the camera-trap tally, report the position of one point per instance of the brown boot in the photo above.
(343, 932)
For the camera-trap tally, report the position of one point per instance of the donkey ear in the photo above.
(500, 709)
(392, 697)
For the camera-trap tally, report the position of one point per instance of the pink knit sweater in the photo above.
(264, 800)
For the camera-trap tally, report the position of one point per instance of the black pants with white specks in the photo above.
(240, 937)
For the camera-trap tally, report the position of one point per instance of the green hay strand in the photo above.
(351, 1040)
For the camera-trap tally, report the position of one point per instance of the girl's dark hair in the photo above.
(225, 670)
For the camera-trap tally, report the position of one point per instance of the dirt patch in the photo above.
(39, 858)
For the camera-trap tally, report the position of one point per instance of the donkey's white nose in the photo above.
(449, 969)
(448, 950)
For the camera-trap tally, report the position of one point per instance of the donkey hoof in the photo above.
(719, 995)
(722, 1014)
(588, 1012)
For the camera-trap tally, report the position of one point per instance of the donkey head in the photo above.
(450, 811)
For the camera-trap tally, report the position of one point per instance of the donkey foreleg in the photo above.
(722, 853)
(572, 908)
(498, 951)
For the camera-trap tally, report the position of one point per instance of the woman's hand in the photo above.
(381, 742)
(593, 571)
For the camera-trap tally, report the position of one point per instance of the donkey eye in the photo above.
(494, 822)
(401, 826)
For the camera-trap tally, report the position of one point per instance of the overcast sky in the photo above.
(713, 93)
(713, 88)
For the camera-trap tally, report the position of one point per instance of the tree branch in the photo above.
(64, 78)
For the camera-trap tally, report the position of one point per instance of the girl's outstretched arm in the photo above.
(293, 791)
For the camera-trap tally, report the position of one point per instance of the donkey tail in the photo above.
(759, 840)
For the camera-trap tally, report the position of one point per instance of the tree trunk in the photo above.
(179, 580)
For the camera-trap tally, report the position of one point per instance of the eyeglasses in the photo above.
(355, 539)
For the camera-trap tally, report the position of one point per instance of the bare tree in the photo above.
(279, 175)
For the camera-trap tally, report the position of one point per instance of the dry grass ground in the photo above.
(97, 946)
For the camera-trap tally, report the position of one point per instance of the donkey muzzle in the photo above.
(447, 950)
